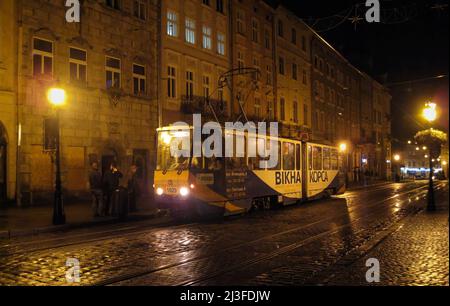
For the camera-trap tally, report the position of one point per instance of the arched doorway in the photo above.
(3, 170)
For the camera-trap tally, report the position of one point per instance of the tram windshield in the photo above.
(170, 146)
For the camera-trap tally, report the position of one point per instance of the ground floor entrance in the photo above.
(3, 170)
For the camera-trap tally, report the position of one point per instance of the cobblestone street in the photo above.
(322, 242)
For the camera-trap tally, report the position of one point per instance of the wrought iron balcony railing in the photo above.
(204, 106)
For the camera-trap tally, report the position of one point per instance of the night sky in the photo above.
(411, 44)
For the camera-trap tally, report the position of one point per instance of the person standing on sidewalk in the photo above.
(96, 186)
(133, 189)
(111, 182)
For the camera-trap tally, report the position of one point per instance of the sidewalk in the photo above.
(416, 253)
(16, 221)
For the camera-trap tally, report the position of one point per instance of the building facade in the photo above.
(195, 53)
(293, 77)
(8, 101)
(108, 70)
(253, 61)
(131, 66)
(350, 107)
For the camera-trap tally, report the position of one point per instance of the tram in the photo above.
(235, 185)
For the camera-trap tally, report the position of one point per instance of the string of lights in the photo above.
(393, 15)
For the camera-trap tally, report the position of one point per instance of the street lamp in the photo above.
(396, 167)
(429, 113)
(57, 98)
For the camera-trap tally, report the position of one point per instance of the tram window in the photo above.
(310, 158)
(297, 157)
(236, 162)
(326, 159)
(334, 159)
(254, 161)
(214, 163)
(269, 145)
(288, 156)
(317, 158)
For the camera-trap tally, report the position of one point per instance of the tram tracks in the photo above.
(105, 235)
(252, 261)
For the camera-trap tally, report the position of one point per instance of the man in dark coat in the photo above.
(133, 188)
(111, 182)
(95, 183)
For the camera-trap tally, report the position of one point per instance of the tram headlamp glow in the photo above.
(184, 192)
(160, 191)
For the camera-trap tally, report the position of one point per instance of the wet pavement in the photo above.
(307, 244)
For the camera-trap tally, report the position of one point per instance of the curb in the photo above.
(8, 234)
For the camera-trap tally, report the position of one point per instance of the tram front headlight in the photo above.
(159, 191)
(184, 191)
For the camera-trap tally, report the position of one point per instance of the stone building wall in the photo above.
(95, 124)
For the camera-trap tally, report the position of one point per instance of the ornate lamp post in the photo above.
(57, 98)
(397, 159)
(430, 114)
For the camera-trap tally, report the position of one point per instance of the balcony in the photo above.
(199, 105)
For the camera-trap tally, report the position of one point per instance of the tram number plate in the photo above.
(171, 190)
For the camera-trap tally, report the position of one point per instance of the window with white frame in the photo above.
(206, 86)
(295, 111)
(255, 31)
(282, 109)
(77, 65)
(115, 4)
(267, 39)
(140, 9)
(113, 72)
(257, 108)
(189, 84)
(269, 75)
(240, 19)
(207, 40)
(139, 79)
(221, 43)
(220, 6)
(241, 63)
(42, 57)
(172, 24)
(190, 31)
(171, 82)
(256, 65)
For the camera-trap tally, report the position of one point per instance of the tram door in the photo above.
(3, 180)
(304, 162)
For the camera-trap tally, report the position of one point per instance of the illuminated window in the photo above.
(221, 43)
(190, 31)
(207, 41)
(172, 24)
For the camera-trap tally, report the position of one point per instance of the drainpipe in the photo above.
(18, 20)
(159, 63)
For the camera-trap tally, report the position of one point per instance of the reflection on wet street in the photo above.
(289, 246)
